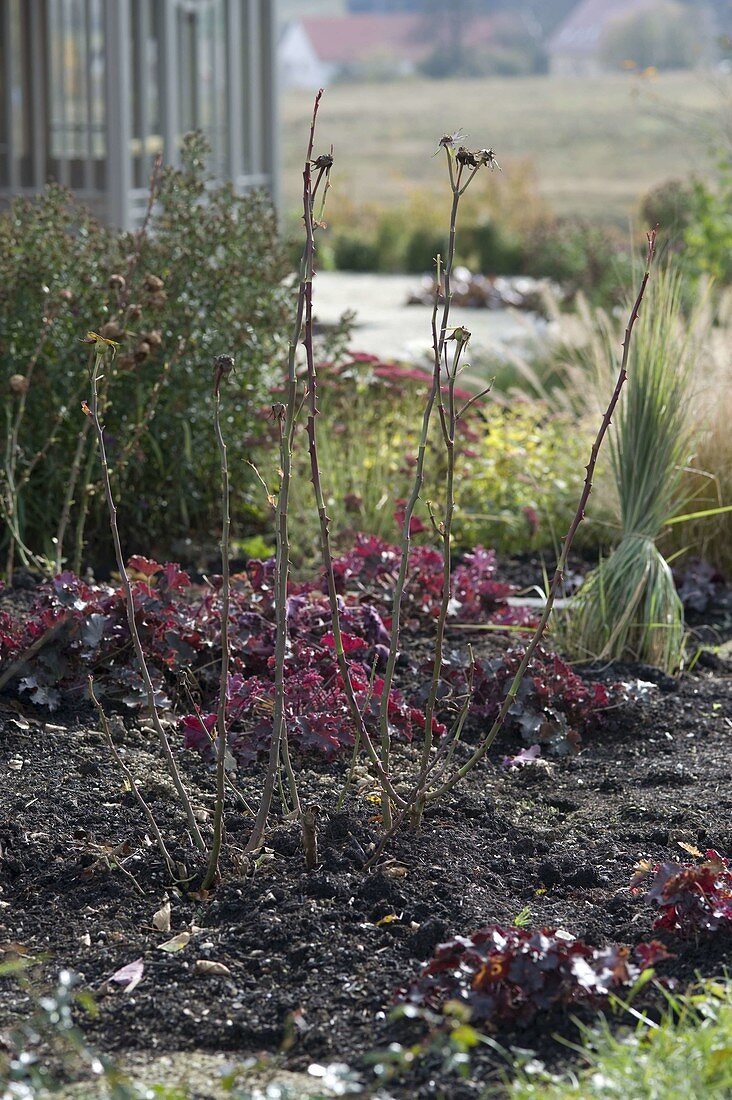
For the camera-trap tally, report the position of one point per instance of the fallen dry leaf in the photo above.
(177, 943)
(130, 975)
(161, 919)
(210, 969)
(690, 848)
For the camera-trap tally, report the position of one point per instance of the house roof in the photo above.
(351, 38)
(581, 31)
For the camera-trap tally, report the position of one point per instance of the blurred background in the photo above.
(605, 116)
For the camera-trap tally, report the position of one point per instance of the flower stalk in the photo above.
(101, 352)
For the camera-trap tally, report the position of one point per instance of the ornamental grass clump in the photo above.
(628, 608)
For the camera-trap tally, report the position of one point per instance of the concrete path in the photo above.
(387, 327)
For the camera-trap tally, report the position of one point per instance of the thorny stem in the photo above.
(448, 422)
(438, 343)
(357, 742)
(558, 577)
(222, 366)
(81, 441)
(132, 782)
(362, 734)
(83, 512)
(130, 606)
(282, 561)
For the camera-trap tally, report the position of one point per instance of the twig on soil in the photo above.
(558, 577)
(132, 782)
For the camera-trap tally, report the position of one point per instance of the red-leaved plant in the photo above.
(506, 976)
(691, 898)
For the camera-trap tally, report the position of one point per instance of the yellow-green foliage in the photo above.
(518, 470)
(520, 481)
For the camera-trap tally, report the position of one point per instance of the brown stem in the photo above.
(282, 567)
(223, 366)
(130, 605)
(448, 421)
(558, 577)
(63, 522)
(439, 337)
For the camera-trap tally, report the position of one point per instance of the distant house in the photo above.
(315, 52)
(574, 48)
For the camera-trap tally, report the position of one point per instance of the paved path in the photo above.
(387, 327)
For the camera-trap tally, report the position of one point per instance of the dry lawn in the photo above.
(596, 144)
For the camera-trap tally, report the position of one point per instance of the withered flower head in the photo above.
(18, 383)
(464, 156)
(460, 335)
(224, 364)
(325, 160)
(449, 141)
(488, 158)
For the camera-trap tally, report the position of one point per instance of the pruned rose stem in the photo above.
(448, 423)
(323, 165)
(485, 744)
(93, 412)
(439, 336)
(423, 793)
(81, 441)
(286, 421)
(223, 365)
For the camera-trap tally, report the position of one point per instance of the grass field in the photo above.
(596, 144)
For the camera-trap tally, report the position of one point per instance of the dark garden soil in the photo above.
(313, 967)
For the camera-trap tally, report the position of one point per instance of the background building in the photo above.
(92, 90)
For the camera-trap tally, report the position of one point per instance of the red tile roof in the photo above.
(347, 39)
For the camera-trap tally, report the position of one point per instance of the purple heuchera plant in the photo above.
(179, 625)
(691, 898)
(506, 976)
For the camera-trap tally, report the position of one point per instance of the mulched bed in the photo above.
(313, 966)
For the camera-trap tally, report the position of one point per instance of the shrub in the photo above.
(497, 229)
(580, 255)
(521, 473)
(708, 234)
(519, 467)
(205, 280)
(670, 206)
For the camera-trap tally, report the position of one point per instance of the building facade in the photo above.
(92, 90)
